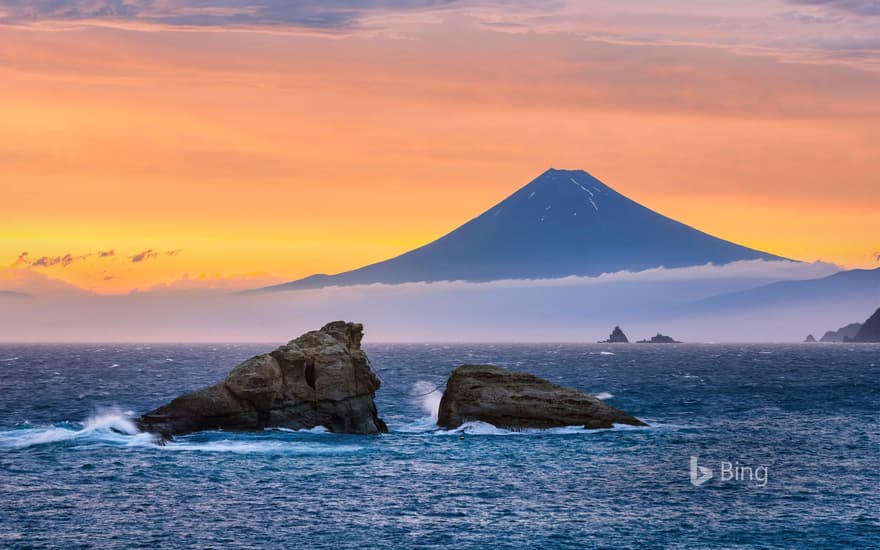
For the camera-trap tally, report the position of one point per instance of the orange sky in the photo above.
(264, 155)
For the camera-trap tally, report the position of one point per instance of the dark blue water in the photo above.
(807, 414)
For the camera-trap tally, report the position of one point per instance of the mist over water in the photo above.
(76, 472)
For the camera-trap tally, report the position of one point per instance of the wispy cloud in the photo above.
(815, 31)
(150, 254)
(26, 259)
(865, 8)
(64, 260)
(322, 15)
(142, 256)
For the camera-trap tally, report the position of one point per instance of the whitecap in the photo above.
(109, 426)
(482, 428)
(273, 447)
(604, 395)
(315, 430)
(606, 353)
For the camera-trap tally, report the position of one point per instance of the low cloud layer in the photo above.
(571, 309)
(748, 270)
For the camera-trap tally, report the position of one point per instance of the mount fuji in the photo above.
(565, 222)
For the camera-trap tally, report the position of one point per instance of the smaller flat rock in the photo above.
(519, 400)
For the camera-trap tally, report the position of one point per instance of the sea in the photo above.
(749, 446)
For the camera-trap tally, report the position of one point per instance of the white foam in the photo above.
(606, 353)
(315, 430)
(109, 426)
(260, 447)
(604, 395)
(482, 428)
(9, 360)
(428, 397)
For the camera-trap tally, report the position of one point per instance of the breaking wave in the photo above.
(110, 427)
(115, 428)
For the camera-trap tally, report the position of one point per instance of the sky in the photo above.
(216, 144)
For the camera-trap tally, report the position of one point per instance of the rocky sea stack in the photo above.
(519, 400)
(617, 337)
(322, 378)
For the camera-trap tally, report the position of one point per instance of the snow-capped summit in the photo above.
(565, 222)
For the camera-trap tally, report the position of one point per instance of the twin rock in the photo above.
(324, 378)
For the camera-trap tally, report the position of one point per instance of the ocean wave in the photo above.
(260, 446)
(111, 427)
(117, 428)
(603, 395)
(427, 424)
(315, 430)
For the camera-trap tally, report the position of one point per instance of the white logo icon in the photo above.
(699, 474)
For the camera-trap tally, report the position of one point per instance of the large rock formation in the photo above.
(810, 339)
(520, 400)
(322, 378)
(870, 330)
(617, 337)
(841, 334)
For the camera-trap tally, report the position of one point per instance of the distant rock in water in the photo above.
(322, 378)
(870, 331)
(617, 337)
(660, 339)
(841, 334)
(518, 400)
(810, 339)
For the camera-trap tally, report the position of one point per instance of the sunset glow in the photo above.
(245, 152)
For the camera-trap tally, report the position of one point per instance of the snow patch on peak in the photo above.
(574, 181)
(590, 193)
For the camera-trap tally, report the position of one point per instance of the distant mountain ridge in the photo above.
(859, 285)
(841, 334)
(565, 222)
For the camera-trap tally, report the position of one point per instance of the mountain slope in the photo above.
(857, 285)
(565, 222)
(870, 330)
